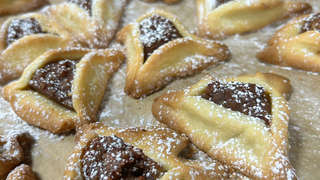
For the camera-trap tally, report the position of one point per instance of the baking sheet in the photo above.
(49, 153)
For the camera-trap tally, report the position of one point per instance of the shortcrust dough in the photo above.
(240, 16)
(12, 151)
(14, 58)
(241, 141)
(165, 1)
(160, 143)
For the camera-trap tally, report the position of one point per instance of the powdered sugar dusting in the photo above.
(110, 157)
(22, 27)
(120, 110)
(14, 125)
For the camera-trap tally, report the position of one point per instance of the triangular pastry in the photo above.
(10, 7)
(24, 38)
(160, 49)
(63, 88)
(12, 151)
(220, 18)
(295, 45)
(22, 172)
(165, 1)
(241, 121)
(93, 22)
(150, 152)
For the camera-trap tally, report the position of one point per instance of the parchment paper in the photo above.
(49, 153)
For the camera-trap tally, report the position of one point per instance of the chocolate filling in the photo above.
(220, 2)
(156, 31)
(19, 28)
(109, 157)
(247, 98)
(54, 80)
(84, 4)
(312, 23)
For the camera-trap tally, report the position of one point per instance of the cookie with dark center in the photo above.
(22, 27)
(109, 157)
(171, 51)
(84, 4)
(247, 98)
(104, 152)
(54, 80)
(220, 2)
(156, 31)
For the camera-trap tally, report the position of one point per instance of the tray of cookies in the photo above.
(159, 89)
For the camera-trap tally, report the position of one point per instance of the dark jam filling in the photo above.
(109, 157)
(84, 4)
(312, 23)
(19, 28)
(247, 98)
(220, 2)
(54, 80)
(156, 31)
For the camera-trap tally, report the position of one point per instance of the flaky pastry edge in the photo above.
(88, 87)
(257, 151)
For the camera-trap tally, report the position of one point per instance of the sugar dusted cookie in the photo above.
(93, 22)
(295, 45)
(63, 87)
(12, 151)
(160, 49)
(24, 38)
(9, 7)
(241, 121)
(143, 152)
(220, 18)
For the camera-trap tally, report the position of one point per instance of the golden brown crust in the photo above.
(178, 58)
(22, 172)
(240, 16)
(12, 154)
(97, 29)
(160, 143)
(165, 1)
(289, 47)
(10, 7)
(14, 58)
(241, 141)
(282, 84)
(92, 75)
